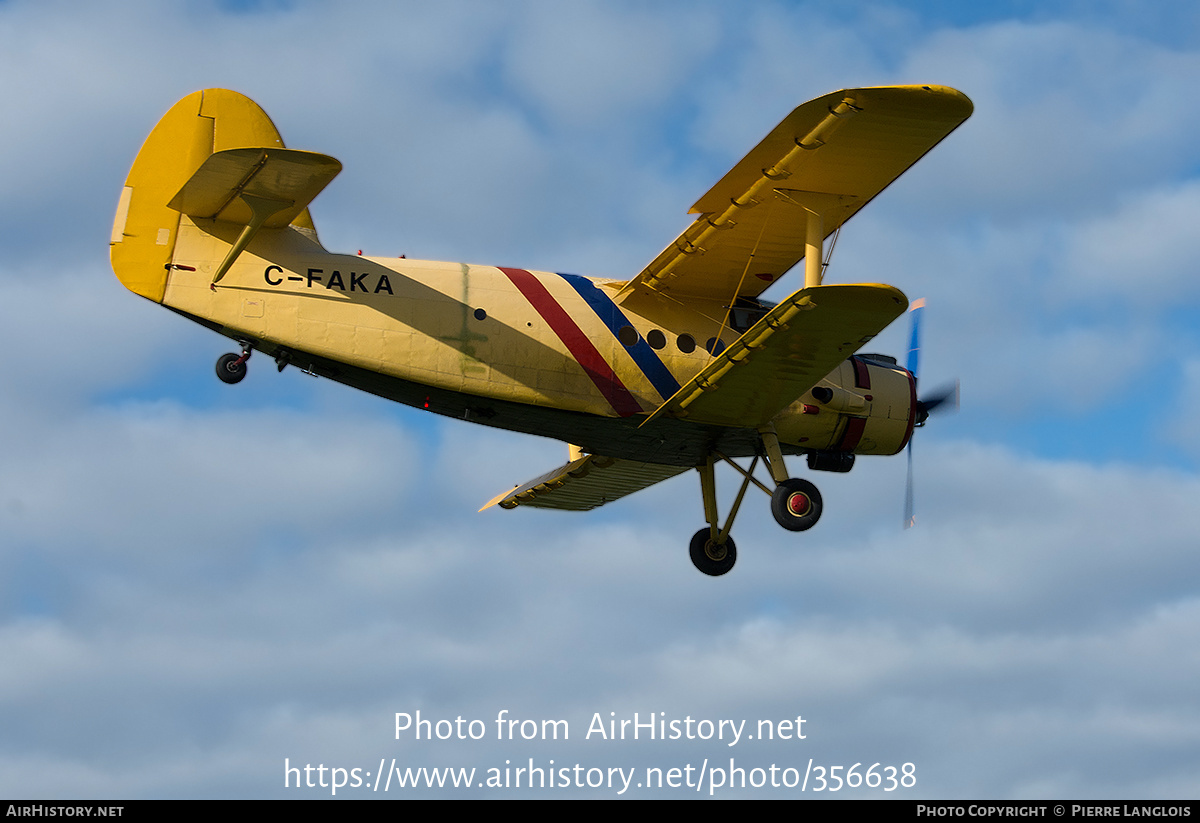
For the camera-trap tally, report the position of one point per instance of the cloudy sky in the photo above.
(200, 582)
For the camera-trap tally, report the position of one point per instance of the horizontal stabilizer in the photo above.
(586, 483)
(785, 354)
(255, 188)
(229, 184)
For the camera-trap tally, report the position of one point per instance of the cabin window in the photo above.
(746, 312)
(628, 336)
(686, 343)
(480, 314)
(656, 339)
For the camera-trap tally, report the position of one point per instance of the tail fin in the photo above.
(148, 214)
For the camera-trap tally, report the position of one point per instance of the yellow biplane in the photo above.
(678, 368)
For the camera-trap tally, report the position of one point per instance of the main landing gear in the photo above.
(795, 503)
(712, 558)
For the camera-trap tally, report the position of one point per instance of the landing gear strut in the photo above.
(795, 503)
(712, 550)
(231, 368)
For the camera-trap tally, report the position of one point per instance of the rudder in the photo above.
(145, 227)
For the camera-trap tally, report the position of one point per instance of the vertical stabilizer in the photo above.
(145, 226)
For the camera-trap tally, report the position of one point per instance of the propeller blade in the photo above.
(909, 517)
(914, 335)
(936, 400)
(914, 358)
(948, 392)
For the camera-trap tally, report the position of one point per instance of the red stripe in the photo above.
(862, 373)
(855, 427)
(912, 411)
(576, 341)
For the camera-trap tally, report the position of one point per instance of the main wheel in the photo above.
(796, 505)
(709, 557)
(229, 369)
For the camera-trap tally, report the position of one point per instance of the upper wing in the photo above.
(830, 156)
(784, 354)
(586, 483)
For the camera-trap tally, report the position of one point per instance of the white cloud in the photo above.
(1141, 253)
(1079, 115)
(591, 64)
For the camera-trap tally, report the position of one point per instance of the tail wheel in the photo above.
(231, 368)
(796, 505)
(714, 559)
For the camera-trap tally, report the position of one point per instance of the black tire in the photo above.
(229, 369)
(712, 560)
(796, 505)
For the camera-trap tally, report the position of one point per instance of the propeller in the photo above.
(932, 402)
(924, 406)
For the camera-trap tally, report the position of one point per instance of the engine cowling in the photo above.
(867, 406)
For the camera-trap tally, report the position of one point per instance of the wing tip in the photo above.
(498, 499)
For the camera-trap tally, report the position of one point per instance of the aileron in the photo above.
(828, 158)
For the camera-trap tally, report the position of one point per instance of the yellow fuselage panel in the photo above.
(529, 337)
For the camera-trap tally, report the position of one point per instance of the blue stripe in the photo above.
(645, 357)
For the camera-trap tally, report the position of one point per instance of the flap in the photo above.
(586, 483)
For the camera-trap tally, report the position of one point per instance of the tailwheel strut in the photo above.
(231, 368)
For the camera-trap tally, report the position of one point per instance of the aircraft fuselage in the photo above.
(508, 347)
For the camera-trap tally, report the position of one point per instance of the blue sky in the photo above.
(199, 581)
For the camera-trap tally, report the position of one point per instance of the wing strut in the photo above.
(814, 253)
